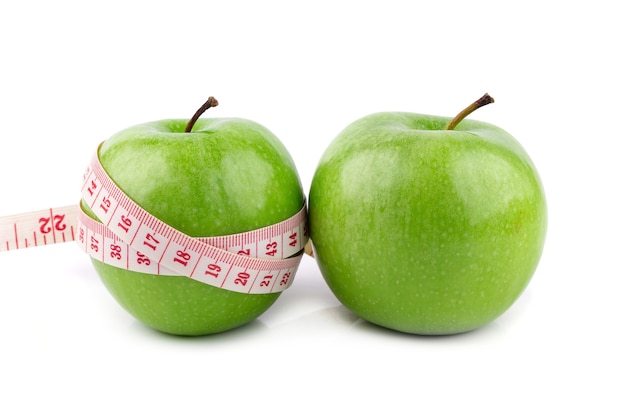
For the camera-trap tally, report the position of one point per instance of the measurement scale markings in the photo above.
(127, 231)
(17, 243)
(150, 227)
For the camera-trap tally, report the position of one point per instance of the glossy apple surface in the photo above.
(226, 176)
(425, 230)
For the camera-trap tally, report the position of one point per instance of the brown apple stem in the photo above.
(483, 101)
(211, 102)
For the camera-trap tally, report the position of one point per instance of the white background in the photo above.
(74, 73)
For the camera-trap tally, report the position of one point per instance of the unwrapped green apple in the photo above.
(426, 224)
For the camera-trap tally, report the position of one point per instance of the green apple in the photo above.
(226, 176)
(424, 224)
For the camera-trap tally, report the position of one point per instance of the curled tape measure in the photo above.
(256, 262)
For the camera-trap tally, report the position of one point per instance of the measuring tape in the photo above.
(128, 237)
(38, 228)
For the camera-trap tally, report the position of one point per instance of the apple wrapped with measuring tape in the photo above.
(195, 227)
(426, 224)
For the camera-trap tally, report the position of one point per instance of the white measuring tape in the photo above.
(256, 262)
(38, 228)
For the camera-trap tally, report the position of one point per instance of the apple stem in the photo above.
(211, 102)
(483, 101)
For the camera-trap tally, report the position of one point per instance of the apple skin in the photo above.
(425, 230)
(227, 176)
